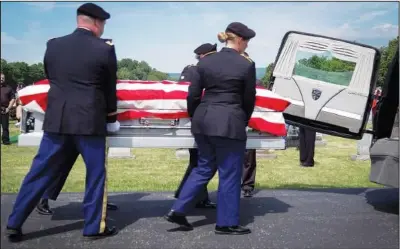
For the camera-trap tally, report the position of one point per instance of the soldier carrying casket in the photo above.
(187, 75)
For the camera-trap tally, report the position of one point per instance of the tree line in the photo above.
(328, 64)
(336, 65)
(23, 73)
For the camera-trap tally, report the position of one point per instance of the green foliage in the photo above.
(387, 54)
(325, 69)
(128, 69)
(268, 73)
(21, 72)
(339, 78)
(328, 64)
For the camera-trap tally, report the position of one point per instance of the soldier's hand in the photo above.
(113, 127)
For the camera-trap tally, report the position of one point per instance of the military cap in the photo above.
(93, 10)
(205, 48)
(241, 30)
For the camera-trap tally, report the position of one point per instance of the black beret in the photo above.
(241, 30)
(93, 10)
(205, 48)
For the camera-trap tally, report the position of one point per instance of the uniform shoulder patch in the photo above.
(247, 58)
(109, 43)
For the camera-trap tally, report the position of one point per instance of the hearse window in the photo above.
(328, 61)
(323, 66)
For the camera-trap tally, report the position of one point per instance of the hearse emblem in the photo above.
(316, 93)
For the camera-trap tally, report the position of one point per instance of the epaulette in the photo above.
(247, 58)
(109, 43)
(191, 65)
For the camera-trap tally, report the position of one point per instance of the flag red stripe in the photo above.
(42, 82)
(129, 95)
(255, 123)
(263, 125)
(278, 105)
(136, 114)
(40, 98)
(261, 101)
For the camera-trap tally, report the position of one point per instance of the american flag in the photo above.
(166, 100)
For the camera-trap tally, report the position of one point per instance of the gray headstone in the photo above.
(120, 153)
(370, 117)
(292, 138)
(363, 147)
(39, 117)
(182, 154)
(395, 130)
(266, 154)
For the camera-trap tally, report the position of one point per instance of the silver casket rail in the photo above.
(152, 133)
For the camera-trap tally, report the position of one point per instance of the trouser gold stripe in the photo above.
(104, 207)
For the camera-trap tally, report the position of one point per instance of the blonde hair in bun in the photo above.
(225, 36)
(222, 36)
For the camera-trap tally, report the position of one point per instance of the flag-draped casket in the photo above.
(166, 100)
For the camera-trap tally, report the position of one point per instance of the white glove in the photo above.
(113, 127)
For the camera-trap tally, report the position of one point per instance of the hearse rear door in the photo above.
(328, 81)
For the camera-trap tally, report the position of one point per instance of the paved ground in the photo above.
(328, 218)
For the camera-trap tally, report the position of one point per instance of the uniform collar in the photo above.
(226, 49)
(83, 31)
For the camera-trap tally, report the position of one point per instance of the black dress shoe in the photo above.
(111, 206)
(206, 204)
(13, 234)
(179, 219)
(306, 165)
(108, 232)
(232, 230)
(43, 207)
(248, 193)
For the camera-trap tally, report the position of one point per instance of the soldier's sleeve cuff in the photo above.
(112, 119)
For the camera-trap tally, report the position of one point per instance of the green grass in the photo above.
(159, 170)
